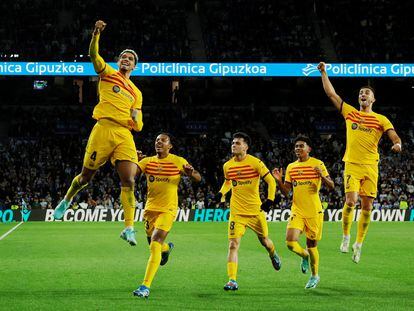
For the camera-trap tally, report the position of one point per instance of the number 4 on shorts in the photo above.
(93, 156)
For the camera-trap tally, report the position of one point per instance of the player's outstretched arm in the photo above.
(97, 60)
(285, 187)
(396, 140)
(328, 87)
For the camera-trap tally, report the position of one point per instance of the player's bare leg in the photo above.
(363, 224)
(270, 247)
(232, 260)
(127, 171)
(351, 198)
(78, 183)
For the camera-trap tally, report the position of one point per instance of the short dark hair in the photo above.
(368, 87)
(304, 138)
(129, 51)
(170, 137)
(245, 137)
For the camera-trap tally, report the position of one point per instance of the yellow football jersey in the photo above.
(117, 94)
(163, 177)
(306, 184)
(363, 132)
(245, 178)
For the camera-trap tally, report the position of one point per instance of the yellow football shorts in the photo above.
(361, 178)
(157, 220)
(109, 140)
(238, 223)
(311, 226)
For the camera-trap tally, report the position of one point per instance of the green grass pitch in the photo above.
(86, 266)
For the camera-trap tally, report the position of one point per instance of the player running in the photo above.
(305, 177)
(242, 176)
(364, 129)
(117, 113)
(163, 172)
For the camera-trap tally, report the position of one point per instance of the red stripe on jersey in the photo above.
(297, 169)
(247, 177)
(305, 174)
(234, 175)
(363, 116)
(249, 170)
(163, 163)
(239, 167)
(304, 177)
(152, 171)
(367, 124)
(349, 118)
(300, 167)
(371, 120)
(155, 164)
(120, 76)
(160, 174)
(107, 79)
(126, 85)
(162, 169)
(373, 127)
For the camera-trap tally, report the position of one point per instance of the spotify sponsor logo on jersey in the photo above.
(117, 89)
(241, 183)
(152, 178)
(355, 126)
(301, 183)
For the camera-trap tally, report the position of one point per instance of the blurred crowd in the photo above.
(235, 30)
(282, 30)
(44, 152)
(60, 30)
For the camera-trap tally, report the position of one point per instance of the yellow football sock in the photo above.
(74, 188)
(153, 263)
(363, 223)
(165, 247)
(347, 219)
(314, 259)
(232, 270)
(295, 247)
(128, 203)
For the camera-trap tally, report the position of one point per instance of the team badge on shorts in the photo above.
(234, 183)
(116, 88)
(354, 126)
(151, 178)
